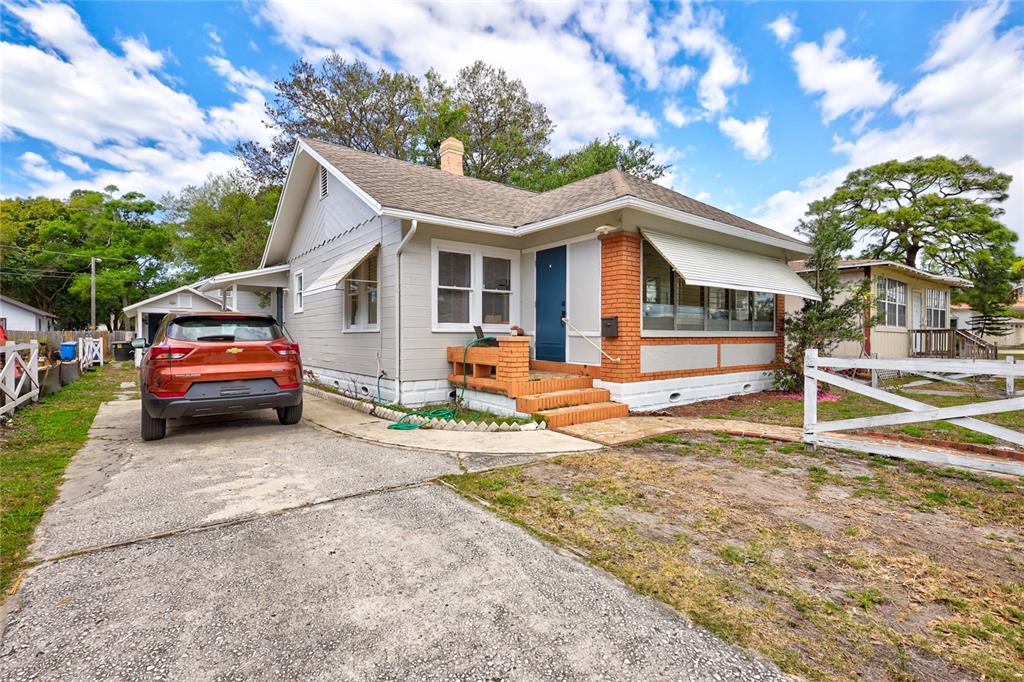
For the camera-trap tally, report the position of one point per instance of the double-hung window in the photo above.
(669, 304)
(936, 303)
(473, 285)
(297, 283)
(891, 299)
(361, 301)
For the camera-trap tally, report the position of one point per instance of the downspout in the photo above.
(398, 309)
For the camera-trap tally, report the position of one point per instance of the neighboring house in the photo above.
(18, 316)
(963, 313)
(386, 266)
(913, 308)
(192, 298)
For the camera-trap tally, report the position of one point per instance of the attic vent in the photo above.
(323, 182)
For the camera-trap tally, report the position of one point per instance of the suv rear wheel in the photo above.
(152, 429)
(289, 415)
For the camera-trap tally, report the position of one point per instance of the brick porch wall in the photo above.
(620, 296)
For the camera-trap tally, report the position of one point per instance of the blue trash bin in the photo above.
(68, 350)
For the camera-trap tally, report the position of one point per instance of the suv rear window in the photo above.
(224, 329)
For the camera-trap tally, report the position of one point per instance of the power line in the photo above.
(64, 253)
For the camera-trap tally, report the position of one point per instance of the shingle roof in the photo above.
(415, 187)
(854, 263)
(26, 306)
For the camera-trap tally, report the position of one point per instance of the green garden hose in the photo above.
(447, 413)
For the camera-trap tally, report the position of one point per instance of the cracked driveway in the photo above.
(243, 549)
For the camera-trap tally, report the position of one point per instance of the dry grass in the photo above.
(833, 565)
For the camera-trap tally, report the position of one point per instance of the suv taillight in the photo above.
(169, 352)
(285, 348)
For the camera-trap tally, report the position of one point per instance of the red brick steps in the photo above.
(579, 414)
(564, 398)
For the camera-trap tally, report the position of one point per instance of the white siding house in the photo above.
(18, 316)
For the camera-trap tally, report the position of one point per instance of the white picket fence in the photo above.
(818, 433)
(90, 352)
(12, 387)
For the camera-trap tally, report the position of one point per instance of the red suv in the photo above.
(218, 363)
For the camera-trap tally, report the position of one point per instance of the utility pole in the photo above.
(93, 260)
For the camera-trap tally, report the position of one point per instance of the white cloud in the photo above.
(969, 100)
(623, 30)
(72, 161)
(584, 94)
(750, 137)
(680, 118)
(139, 56)
(701, 35)
(113, 109)
(238, 78)
(845, 83)
(38, 168)
(783, 28)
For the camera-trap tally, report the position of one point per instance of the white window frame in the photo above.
(907, 308)
(930, 296)
(184, 300)
(476, 253)
(324, 182)
(298, 284)
(361, 327)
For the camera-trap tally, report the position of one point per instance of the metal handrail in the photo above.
(587, 339)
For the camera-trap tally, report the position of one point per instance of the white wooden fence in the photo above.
(90, 352)
(818, 433)
(12, 387)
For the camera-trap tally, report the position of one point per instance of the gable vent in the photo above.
(323, 182)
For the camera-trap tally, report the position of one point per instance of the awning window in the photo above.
(703, 264)
(339, 270)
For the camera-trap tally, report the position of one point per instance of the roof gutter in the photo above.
(590, 211)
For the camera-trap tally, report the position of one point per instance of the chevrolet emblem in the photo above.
(234, 350)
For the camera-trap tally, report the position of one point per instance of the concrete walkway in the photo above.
(242, 549)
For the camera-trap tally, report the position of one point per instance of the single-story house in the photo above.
(191, 298)
(962, 314)
(18, 316)
(913, 309)
(628, 294)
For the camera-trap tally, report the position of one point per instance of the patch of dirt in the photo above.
(834, 565)
(724, 406)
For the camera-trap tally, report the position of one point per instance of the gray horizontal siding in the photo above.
(329, 228)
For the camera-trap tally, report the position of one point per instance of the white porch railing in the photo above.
(819, 433)
(12, 386)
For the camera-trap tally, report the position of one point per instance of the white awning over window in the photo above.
(703, 264)
(340, 269)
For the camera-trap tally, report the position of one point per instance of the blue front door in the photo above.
(550, 293)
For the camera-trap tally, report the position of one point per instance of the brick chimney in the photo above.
(451, 156)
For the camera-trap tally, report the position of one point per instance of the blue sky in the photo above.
(759, 107)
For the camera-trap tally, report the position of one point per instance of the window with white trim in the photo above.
(891, 302)
(229, 299)
(361, 301)
(473, 285)
(184, 300)
(323, 182)
(297, 283)
(669, 304)
(935, 307)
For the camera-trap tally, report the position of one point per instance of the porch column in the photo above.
(513, 359)
(138, 324)
(620, 297)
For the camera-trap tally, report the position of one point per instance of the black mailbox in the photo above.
(609, 327)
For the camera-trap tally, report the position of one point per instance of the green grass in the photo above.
(36, 448)
(789, 412)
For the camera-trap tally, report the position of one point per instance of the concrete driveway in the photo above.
(243, 549)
